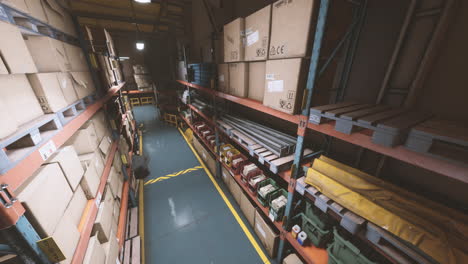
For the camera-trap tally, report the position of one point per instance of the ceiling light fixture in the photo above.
(143, 1)
(140, 46)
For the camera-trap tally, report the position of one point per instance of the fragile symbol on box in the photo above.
(47, 150)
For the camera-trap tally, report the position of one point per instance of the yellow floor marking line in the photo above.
(231, 208)
(165, 177)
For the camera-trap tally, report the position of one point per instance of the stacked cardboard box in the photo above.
(35, 70)
(47, 11)
(142, 78)
(266, 55)
(19, 105)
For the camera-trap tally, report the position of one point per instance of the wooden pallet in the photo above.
(70, 112)
(441, 138)
(132, 223)
(389, 127)
(27, 139)
(132, 251)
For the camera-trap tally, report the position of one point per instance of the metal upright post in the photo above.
(304, 118)
(22, 239)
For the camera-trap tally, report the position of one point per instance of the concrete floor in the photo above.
(186, 220)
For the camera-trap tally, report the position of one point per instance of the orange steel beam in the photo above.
(23, 170)
(362, 138)
(26, 168)
(200, 113)
(123, 214)
(89, 215)
(246, 102)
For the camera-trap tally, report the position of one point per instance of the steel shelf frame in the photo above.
(12, 212)
(309, 253)
(8, 14)
(362, 138)
(90, 213)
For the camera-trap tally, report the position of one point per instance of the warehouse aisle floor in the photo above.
(186, 220)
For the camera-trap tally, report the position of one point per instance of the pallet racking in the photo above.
(21, 237)
(361, 138)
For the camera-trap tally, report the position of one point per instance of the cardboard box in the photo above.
(290, 28)
(94, 158)
(257, 34)
(19, 99)
(45, 196)
(3, 68)
(117, 164)
(239, 79)
(115, 182)
(76, 206)
(140, 69)
(112, 249)
(9, 125)
(103, 223)
(257, 80)
(76, 57)
(54, 14)
(223, 77)
(36, 10)
(69, 26)
(234, 41)
(266, 234)
(205, 154)
(292, 259)
(66, 236)
(236, 190)
(247, 208)
(227, 177)
(143, 81)
(84, 140)
(68, 90)
(105, 146)
(284, 84)
(83, 84)
(95, 252)
(48, 91)
(100, 125)
(15, 54)
(90, 181)
(17, 4)
(70, 164)
(48, 54)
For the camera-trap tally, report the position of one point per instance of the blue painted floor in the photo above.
(186, 220)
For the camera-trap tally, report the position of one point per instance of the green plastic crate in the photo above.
(318, 236)
(321, 219)
(276, 216)
(342, 251)
(265, 201)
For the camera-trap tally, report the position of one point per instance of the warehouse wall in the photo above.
(445, 90)
(158, 56)
(377, 41)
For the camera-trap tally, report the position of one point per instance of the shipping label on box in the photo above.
(284, 82)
